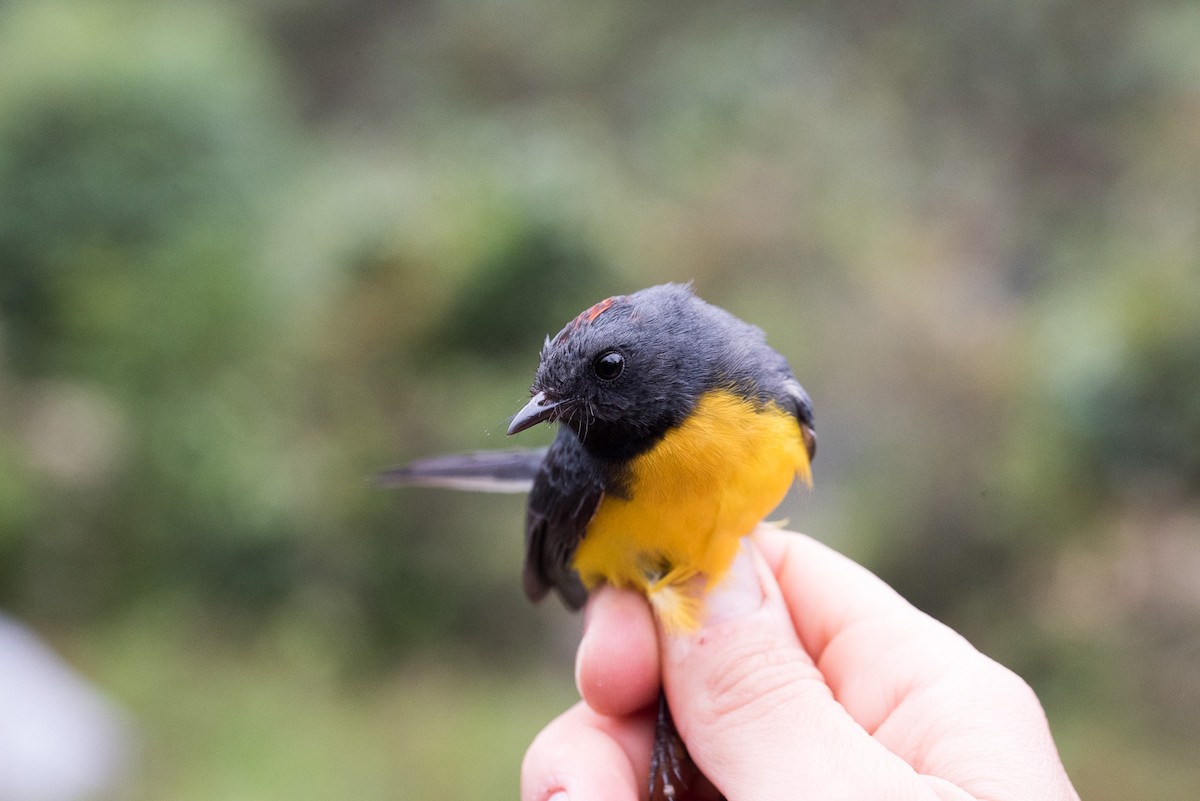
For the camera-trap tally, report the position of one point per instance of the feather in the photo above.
(509, 471)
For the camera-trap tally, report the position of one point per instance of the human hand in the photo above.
(811, 678)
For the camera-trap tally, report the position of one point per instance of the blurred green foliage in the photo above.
(251, 253)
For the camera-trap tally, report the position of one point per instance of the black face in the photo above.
(627, 370)
(620, 376)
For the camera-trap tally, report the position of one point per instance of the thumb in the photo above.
(755, 711)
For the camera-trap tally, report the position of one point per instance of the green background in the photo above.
(250, 253)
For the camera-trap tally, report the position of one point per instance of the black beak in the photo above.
(538, 410)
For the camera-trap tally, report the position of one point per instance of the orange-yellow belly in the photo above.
(693, 496)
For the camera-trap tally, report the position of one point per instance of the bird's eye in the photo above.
(609, 365)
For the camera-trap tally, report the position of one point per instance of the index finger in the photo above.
(828, 593)
(870, 644)
(916, 685)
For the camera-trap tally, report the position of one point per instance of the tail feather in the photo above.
(483, 471)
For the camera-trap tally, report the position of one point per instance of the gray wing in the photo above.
(801, 406)
(565, 495)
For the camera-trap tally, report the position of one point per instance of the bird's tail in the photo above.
(483, 471)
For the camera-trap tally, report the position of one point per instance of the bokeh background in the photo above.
(250, 253)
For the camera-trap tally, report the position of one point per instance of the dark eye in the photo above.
(609, 365)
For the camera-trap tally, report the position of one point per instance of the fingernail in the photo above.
(739, 593)
(561, 795)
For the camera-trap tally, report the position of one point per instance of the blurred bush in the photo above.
(138, 150)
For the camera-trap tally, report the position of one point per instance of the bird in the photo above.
(679, 430)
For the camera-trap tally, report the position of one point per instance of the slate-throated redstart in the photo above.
(679, 430)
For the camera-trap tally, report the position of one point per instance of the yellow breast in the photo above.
(693, 496)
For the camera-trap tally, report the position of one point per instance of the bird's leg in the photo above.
(673, 774)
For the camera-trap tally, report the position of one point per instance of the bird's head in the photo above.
(622, 373)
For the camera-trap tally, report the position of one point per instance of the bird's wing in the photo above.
(801, 406)
(565, 495)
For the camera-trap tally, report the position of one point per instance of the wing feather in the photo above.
(484, 471)
(565, 495)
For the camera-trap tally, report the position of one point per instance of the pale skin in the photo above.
(810, 679)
